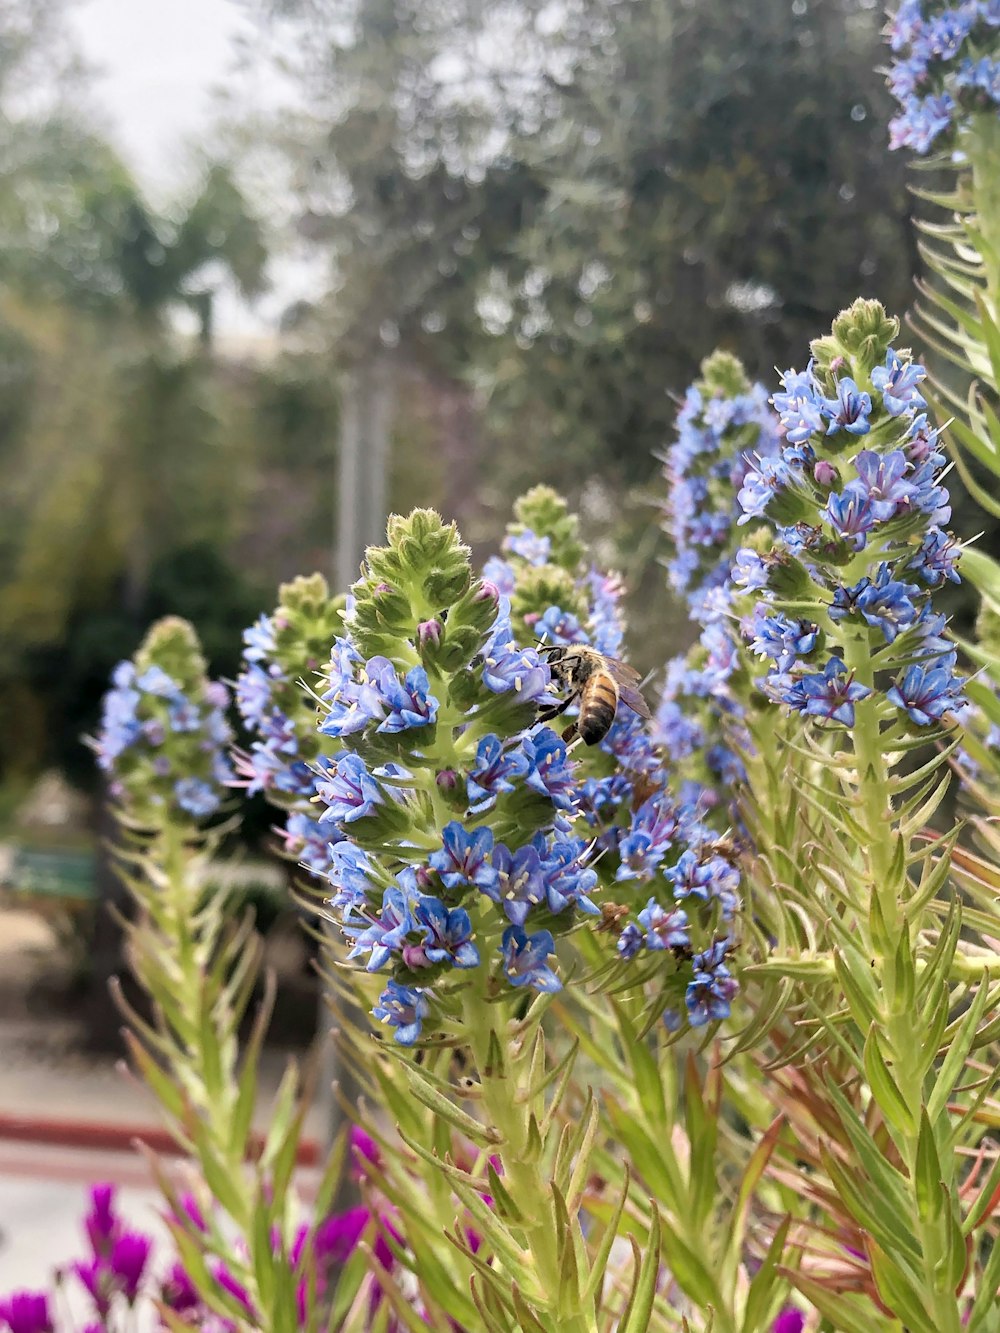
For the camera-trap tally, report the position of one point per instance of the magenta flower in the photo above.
(129, 1257)
(27, 1312)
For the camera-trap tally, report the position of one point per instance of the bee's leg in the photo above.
(569, 732)
(554, 710)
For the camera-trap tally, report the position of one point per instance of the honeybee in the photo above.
(599, 682)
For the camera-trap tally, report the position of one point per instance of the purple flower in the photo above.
(101, 1222)
(351, 792)
(897, 381)
(789, 1320)
(664, 929)
(259, 641)
(463, 858)
(525, 959)
(350, 874)
(926, 693)
(404, 1008)
(520, 881)
(558, 626)
(921, 122)
(27, 1312)
(449, 933)
(651, 834)
(750, 571)
(129, 1256)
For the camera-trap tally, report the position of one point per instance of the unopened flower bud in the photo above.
(429, 633)
(447, 779)
(487, 592)
(825, 473)
(414, 956)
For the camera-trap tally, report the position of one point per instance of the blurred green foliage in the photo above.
(551, 212)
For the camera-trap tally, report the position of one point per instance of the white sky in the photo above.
(159, 65)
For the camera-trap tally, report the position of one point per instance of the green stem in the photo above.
(509, 1110)
(982, 145)
(902, 1022)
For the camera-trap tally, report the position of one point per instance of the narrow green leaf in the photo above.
(760, 1297)
(884, 1087)
(637, 1315)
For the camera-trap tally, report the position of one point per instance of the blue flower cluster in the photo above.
(946, 64)
(466, 834)
(164, 737)
(727, 435)
(279, 651)
(644, 835)
(860, 541)
(724, 425)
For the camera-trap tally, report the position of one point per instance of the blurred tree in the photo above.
(567, 203)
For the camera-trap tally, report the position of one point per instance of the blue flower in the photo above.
(921, 122)
(937, 558)
(183, 714)
(830, 694)
(800, 407)
(529, 546)
(654, 827)
(760, 486)
(255, 692)
(350, 792)
(926, 693)
(710, 992)
(887, 604)
(630, 941)
(897, 381)
(405, 1008)
(493, 771)
(882, 476)
(525, 959)
(309, 842)
(750, 570)
(350, 874)
(506, 667)
(386, 934)
(154, 680)
(259, 641)
(463, 858)
(852, 515)
(521, 883)
(664, 929)
(849, 410)
(559, 626)
(449, 933)
(781, 639)
(409, 703)
(196, 797)
(354, 702)
(550, 771)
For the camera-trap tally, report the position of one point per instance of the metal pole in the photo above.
(367, 410)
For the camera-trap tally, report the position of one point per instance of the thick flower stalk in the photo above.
(842, 617)
(164, 738)
(199, 968)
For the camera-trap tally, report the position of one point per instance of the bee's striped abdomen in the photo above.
(598, 705)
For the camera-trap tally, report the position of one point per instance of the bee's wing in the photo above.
(631, 696)
(626, 678)
(622, 672)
